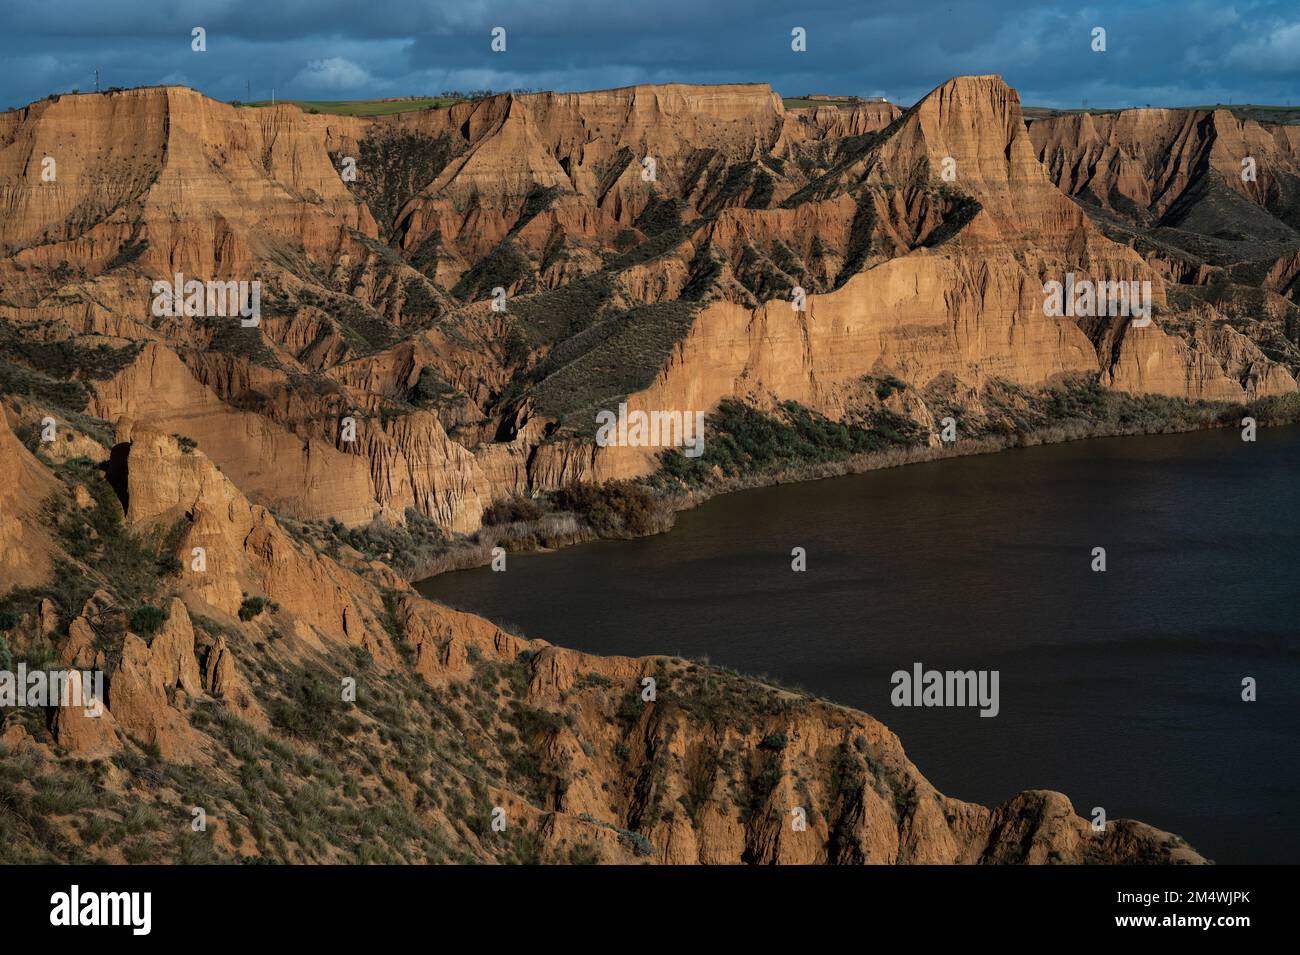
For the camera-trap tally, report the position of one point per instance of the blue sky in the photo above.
(1159, 53)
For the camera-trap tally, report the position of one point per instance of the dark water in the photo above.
(1121, 689)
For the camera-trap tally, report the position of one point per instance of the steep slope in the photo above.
(24, 555)
(237, 702)
(1209, 198)
(168, 176)
(648, 242)
(1149, 164)
(969, 307)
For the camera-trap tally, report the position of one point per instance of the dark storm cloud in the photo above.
(1169, 54)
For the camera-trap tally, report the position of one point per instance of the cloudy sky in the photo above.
(1179, 52)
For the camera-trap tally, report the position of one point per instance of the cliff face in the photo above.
(1212, 201)
(1146, 160)
(971, 307)
(196, 185)
(24, 485)
(648, 241)
(233, 700)
(189, 532)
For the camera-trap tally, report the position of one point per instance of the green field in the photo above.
(798, 102)
(1284, 115)
(363, 107)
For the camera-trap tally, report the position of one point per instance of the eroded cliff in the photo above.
(318, 709)
(646, 242)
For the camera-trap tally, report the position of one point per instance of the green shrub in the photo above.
(311, 710)
(614, 509)
(583, 854)
(887, 385)
(147, 620)
(251, 607)
(511, 509)
(408, 547)
(742, 440)
(636, 842)
(503, 267)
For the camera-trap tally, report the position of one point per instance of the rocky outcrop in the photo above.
(863, 800)
(243, 548)
(25, 556)
(1147, 160)
(923, 240)
(836, 121)
(972, 308)
(147, 681)
(171, 160)
(388, 467)
(303, 476)
(710, 769)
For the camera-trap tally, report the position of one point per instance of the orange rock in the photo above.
(25, 555)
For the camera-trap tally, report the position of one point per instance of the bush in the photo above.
(887, 385)
(251, 607)
(636, 842)
(6, 658)
(615, 509)
(8, 620)
(409, 548)
(311, 710)
(744, 441)
(505, 266)
(583, 854)
(511, 509)
(147, 620)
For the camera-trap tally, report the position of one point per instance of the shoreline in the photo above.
(1205, 447)
(469, 554)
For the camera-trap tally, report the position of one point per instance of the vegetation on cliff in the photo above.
(390, 416)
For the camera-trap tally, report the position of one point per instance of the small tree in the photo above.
(147, 620)
(251, 607)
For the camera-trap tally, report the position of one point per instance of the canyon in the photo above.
(233, 707)
(496, 275)
(672, 293)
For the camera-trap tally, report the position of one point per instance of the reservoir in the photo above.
(1122, 688)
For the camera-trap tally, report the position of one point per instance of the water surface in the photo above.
(1121, 689)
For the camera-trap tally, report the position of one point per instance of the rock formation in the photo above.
(648, 241)
(434, 336)
(561, 742)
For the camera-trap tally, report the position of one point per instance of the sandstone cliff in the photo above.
(1209, 198)
(238, 703)
(24, 485)
(648, 240)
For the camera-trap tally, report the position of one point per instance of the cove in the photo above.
(1121, 689)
